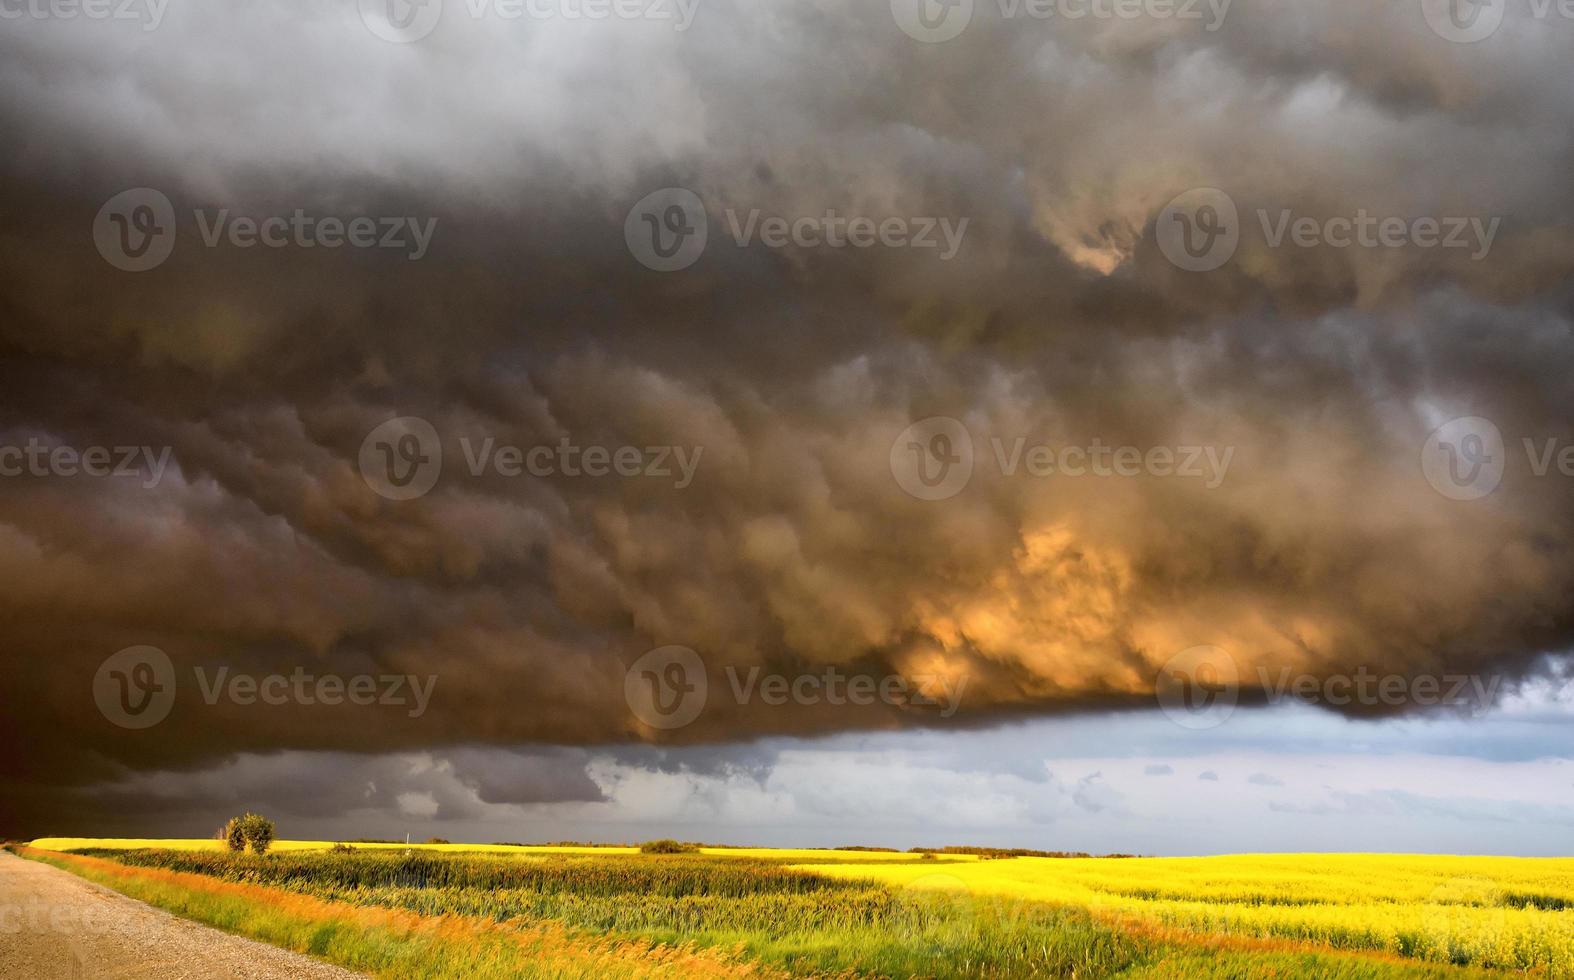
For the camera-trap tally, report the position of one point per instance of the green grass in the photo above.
(393, 946)
(777, 917)
(794, 920)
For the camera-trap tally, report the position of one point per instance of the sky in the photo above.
(1119, 427)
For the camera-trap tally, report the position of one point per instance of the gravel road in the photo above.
(56, 926)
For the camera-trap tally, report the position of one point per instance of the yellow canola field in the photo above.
(209, 844)
(1515, 913)
(1491, 911)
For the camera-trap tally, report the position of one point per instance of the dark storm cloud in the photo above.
(302, 787)
(527, 321)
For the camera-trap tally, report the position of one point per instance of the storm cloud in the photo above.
(1308, 378)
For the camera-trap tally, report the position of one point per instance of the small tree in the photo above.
(249, 829)
(234, 834)
(259, 832)
(668, 846)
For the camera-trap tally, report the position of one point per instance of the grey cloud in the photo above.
(528, 321)
(1413, 806)
(1094, 794)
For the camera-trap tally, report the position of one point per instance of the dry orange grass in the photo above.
(550, 949)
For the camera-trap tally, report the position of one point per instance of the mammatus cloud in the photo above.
(1317, 371)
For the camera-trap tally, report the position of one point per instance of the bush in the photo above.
(259, 833)
(249, 830)
(667, 846)
(342, 848)
(234, 834)
(438, 840)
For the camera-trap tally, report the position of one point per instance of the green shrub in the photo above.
(667, 846)
(249, 830)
